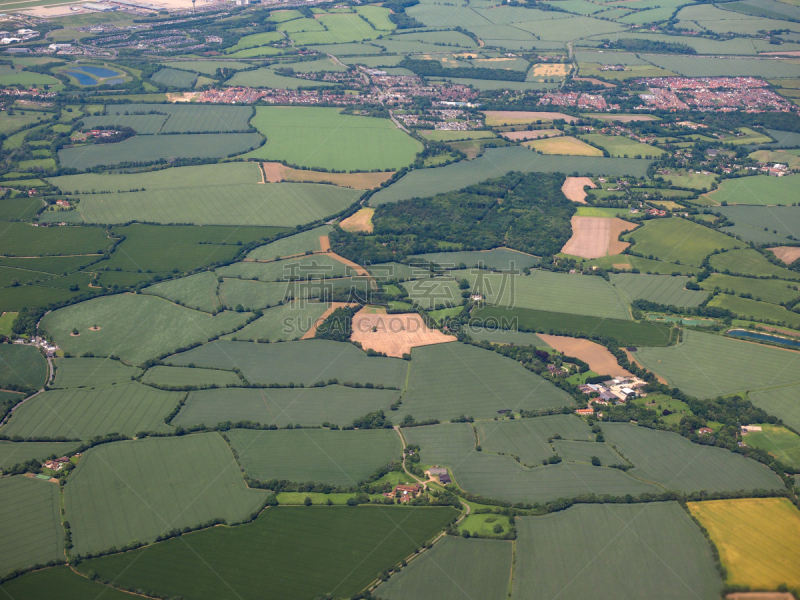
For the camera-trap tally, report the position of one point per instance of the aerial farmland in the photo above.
(403, 300)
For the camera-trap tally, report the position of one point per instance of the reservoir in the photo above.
(741, 333)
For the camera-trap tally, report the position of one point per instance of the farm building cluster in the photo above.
(404, 493)
(614, 391)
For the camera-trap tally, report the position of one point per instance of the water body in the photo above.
(764, 337)
(83, 78)
(100, 72)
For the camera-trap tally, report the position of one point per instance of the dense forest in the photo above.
(650, 46)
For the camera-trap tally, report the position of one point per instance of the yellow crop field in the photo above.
(758, 540)
(550, 70)
(564, 145)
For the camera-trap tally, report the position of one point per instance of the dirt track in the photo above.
(787, 254)
(276, 172)
(599, 359)
(573, 188)
(394, 334)
(595, 237)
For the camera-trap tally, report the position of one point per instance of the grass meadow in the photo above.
(627, 333)
(677, 560)
(779, 442)
(584, 452)
(195, 291)
(496, 162)
(191, 118)
(134, 327)
(137, 490)
(453, 568)
(325, 138)
(300, 243)
(657, 288)
(161, 375)
(752, 310)
(676, 239)
(340, 458)
(706, 365)
(22, 366)
(150, 148)
(781, 402)
(758, 190)
(174, 78)
(302, 362)
(764, 225)
(749, 262)
(774, 291)
(87, 412)
(675, 463)
(768, 554)
(348, 547)
(31, 523)
(23, 239)
(281, 406)
(318, 266)
(61, 583)
(289, 321)
(618, 145)
(448, 380)
(221, 194)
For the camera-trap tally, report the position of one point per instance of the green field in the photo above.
(527, 439)
(268, 78)
(84, 413)
(675, 463)
(503, 478)
(504, 336)
(497, 258)
(752, 310)
(304, 406)
(496, 162)
(448, 380)
(22, 366)
(22, 239)
(454, 136)
(196, 291)
(162, 249)
(324, 138)
(781, 402)
(59, 583)
(17, 121)
(763, 225)
(339, 29)
(181, 117)
(8, 76)
(222, 194)
(706, 365)
(654, 545)
(585, 452)
(618, 145)
(150, 148)
(689, 179)
(748, 262)
(774, 524)
(778, 441)
(303, 362)
(319, 266)
(174, 78)
(759, 190)
(307, 241)
(348, 546)
(454, 569)
(257, 295)
(627, 333)
(186, 376)
(141, 489)
(254, 40)
(134, 327)
(340, 458)
(19, 208)
(677, 239)
(774, 291)
(290, 321)
(31, 523)
(59, 265)
(657, 288)
(12, 453)
(207, 67)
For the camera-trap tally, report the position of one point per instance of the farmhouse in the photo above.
(584, 412)
(705, 431)
(55, 464)
(404, 493)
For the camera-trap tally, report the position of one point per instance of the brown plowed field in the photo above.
(520, 117)
(599, 359)
(573, 188)
(595, 237)
(394, 334)
(787, 254)
(361, 221)
(324, 243)
(276, 172)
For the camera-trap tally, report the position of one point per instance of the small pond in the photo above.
(753, 335)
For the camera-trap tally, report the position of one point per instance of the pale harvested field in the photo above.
(331, 307)
(573, 188)
(599, 359)
(787, 254)
(361, 221)
(550, 70)
(594, 237)
(276, 172)
(516, 136)
(183, 97)
(621, 118)
(594, 81)
(566, 145)
(394, 334)
(760, 596)
(519, 117)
